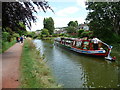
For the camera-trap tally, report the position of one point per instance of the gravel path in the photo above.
(10, 66)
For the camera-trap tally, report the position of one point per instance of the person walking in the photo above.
(17, 39)
(21, 39)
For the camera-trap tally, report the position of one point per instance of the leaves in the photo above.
(104, 18)
(73, 23)
(49, 24)
(15, 12)
(45, 32)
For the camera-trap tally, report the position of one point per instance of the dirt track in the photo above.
(10, 66)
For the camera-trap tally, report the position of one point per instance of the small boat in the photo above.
(84, 46)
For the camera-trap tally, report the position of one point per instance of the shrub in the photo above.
(87, 34)
(31, 34)
(71, 29)
(45, 32)
(54, 35)
(79, 32)
(5, 36)
(16, 35)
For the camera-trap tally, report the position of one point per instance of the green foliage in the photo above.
(22, 32)
(16, 35)
(22, 25)
(6, 45)
(38, 36)
(71, 29)
(73, 23)
(34, 72)
(16, 16)
(104, 20)
(87, 34)
(62, 34)
(49, 24)
(5, 36)
(9, 34)
(14, 12)
(55, 35)
(45, 32)
(79, 32)
(8, 38)
(7, 29)
(31, 34)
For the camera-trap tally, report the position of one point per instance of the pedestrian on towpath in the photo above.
(21, 39)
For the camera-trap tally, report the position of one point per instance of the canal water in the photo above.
(73, 70)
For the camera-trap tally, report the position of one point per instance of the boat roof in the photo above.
(79, 39)
(75, 39)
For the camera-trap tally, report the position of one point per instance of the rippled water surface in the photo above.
(73, 70)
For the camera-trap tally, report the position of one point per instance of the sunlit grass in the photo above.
(34, 72)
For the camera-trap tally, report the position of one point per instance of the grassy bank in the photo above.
(7, 45)
(34, 72)
(116, 51)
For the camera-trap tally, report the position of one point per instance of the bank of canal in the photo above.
(73, 70)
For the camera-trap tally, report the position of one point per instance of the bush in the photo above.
(16, 35)
(79, 32)
(71, 29)
(55, 35)
(5, 36)
(112, 38)
(87, 34)
(31, 34)
(45, 32)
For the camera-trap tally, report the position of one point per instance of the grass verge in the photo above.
(7, 45)
(34, 72)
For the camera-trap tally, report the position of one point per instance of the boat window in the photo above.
(86, 45)
(73, 43)
(78, 44)
(100, 46)
(68, 42)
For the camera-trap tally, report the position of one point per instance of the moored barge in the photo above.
(85, 46)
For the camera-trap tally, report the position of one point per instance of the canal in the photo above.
(73, 70)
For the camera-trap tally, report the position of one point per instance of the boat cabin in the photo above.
(85, 46)
(80, 43)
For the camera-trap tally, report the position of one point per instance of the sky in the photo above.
(65, 11)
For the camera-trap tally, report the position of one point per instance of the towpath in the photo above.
(10, 66)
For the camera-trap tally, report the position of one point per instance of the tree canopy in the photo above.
(71, 29)
(73, 23)
(15, 12)
(49, 24)
(104, 19)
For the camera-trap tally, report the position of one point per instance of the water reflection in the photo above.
(73, 70)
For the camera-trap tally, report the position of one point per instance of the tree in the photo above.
(49, 24)
(73, 23)
(5, 36)
(71, 29)
(31, 34)
(104, 19)
(45, 32)
(15, 12)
